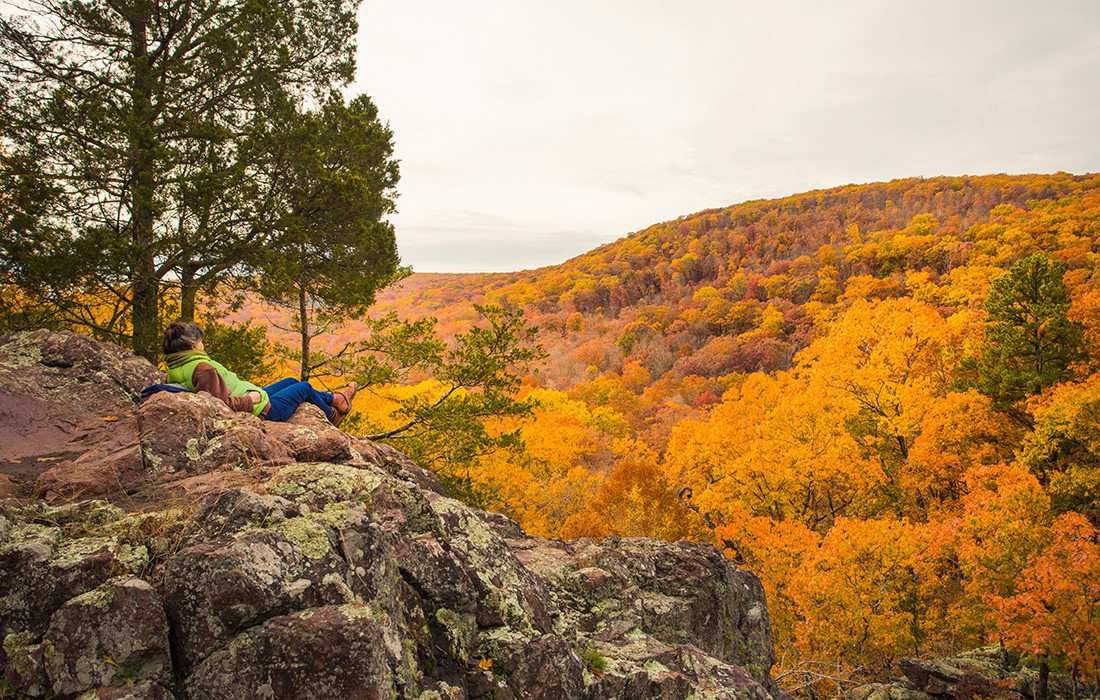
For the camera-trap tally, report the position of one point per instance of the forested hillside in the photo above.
(826, 386)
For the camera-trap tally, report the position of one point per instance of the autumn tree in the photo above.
(634, 500)
(884, 362)
(1054, 614)
(859, 594)
(999, 528)
(1063, 450)
(1031, 341)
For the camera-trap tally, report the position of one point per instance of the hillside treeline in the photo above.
(826, 387)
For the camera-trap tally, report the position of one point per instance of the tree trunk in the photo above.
(188, 290)
(303, 327)
(1044, 677)
(145, 286)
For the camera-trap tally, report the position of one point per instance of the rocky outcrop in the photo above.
(991, 672)
(178, 550)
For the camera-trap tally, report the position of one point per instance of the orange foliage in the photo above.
(800, 367)
(1055, 612)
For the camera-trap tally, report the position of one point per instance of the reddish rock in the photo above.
(9, 487)
(139, 691)
(59, 391)
(112, 466)
(310, 437)
(187, 434)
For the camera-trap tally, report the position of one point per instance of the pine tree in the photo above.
(1031, 343)
(328, 249)
(133, 112)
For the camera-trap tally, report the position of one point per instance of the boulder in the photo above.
(61, 392)
(116, 632)
(186, 434)
(41, 569)
(67, 424)
(215, 589)
(24, 667)
(113, 463)
(310, 437)
(990, 672)
(683, 593)
(327, 652)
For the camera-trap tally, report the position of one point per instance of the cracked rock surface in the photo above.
(178, 550)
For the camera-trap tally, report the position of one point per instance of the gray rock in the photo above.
(40, 569)
(219, 587)
(117, 631)
(330, 652)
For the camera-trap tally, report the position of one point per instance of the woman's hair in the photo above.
(180, 336)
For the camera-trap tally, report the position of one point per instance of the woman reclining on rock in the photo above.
(190, 367)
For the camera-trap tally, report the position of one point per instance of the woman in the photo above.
(192, 368)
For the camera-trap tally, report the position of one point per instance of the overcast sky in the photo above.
(530, 131)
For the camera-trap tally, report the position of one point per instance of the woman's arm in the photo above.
(206, 378)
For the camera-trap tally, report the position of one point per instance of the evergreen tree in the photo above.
(133, 111)
(328, 249)
(474, 382)
(1031, 343)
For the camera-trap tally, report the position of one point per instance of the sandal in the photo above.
(346, 396)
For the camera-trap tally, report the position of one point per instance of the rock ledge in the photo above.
(178, 550)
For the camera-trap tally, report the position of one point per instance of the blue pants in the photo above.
(287, 394)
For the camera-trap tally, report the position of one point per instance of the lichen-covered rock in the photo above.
(24, 669)
(885, 691)
(619, 590)
(328, 652)
(388, 459)
(183, 433)
(117, 630)
(290, 560)
(990, 672)
(40, 569)
(217, 588)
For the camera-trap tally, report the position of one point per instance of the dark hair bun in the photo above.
(180, 336)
